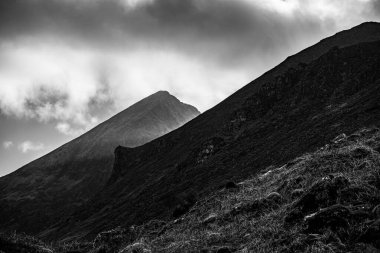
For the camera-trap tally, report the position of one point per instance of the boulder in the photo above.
(210, 218)
(335, 218)
(353, 137)
(274, 198)
(322, 194)
(340, 138)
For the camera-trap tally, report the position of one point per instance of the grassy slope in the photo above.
(263, 229)
(245, 219)
(20, 243)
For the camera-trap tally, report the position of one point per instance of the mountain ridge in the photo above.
(267, 122)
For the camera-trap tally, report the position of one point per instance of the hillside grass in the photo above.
(20, 242)
(251, 216)
(353, 157)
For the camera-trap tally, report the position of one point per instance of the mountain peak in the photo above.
(162, 93)
(82, 166)
(158, 96)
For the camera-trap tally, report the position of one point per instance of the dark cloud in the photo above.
(102, 103)
(44, 96)
(376, 6)
(222, 30)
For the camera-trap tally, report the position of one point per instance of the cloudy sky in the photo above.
(66, 65)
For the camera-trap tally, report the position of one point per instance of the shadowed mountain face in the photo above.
(41, 192)
(329, 88)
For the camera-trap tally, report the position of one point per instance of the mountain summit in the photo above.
(34, 196)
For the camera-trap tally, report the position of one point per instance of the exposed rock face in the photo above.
(42, 192)
(328, 89)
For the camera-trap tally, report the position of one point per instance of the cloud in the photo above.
(65, 128)
(71, 130)
(77, 99)
(7, 144)
(376, 6)
(225, 31)
(77, 62)
(28, 146)
(219, 29)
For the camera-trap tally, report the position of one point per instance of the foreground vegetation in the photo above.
(325, 201)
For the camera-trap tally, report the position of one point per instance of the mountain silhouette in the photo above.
(39, 193)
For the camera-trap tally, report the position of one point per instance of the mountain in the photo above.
(38, 194)
(329, 88)
(327, 200)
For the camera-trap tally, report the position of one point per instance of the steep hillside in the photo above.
(329, 88)
(35, 196)
(324, 201)
(327, 200)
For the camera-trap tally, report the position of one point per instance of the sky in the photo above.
(67, 65)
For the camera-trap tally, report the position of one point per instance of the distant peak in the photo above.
(164, 92)
(161, 93)
(159, 98)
